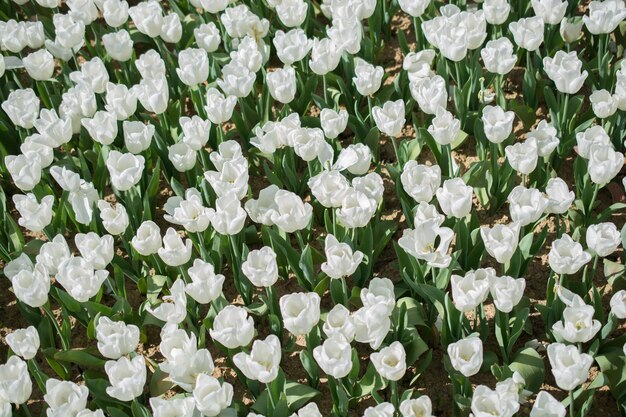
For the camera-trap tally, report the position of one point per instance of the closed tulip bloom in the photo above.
(193, 66)
(444, 127)
(594, 135)
(566, 256)
(137, 136)
(207, 36)
(39, 65)
(118, 45)
(417, 407)
(172, 29)
(334, 356)
(333, 123)
(603, 103)
(229, 217)
(547, 406)
(604, 163)
(498, 56)
(341, 261)
(357, 209)
(466, 355)
(173, 308)
(205, 285)
(390, 362)
(282, 84)
(102, 128)
(182, 156)
(418, 64)
(70, 32)
(526, 205)
(88, 413)
(381, 410)
(455, 198)
(125, 169)
(236, 80)
(414, 8)
(578, 325)
(565, 70)
(371, 185)
(188, 212)
(551, 11)
(603, 238)
(260, 267)
(420, 181)
(24, 342)
(116, 338)
(379, 292)
(292, 213)
(151, 65)
(569, 367)
(79, 279)
(292, 46)
(329, 188)
(65, 398)
(121, 101)
(560, 198)
(507, 292)
(93, 74)
(292, 13)
(545, 137)
(148, 17)
(219, 108)
(31, 286)
(115, 12)
(469, 291)
(147, 240)
(371, 324)
(496, 11)
(153, 94)
(528, 32)
(339, 322)
(174, 251)
(195, 131)
(17, 265)
(15, 383)
(233, 327)
(430, 93)
(97, 250)
(54, 130)
(25, 172)
(570, 30)
(300, 312)
(523, 156)
(487, 402)
(429, 242)
(34, 216)
(325, 56)
(173, 407)
(212, 397)
(53, 253)
(127, 377)
(262, 209)
(367, 78)
(22, 107)
(497, 123)
(604, 16)
(263, 361)
(36, 149)
(618, 304)
(114, 219)
(390, 117)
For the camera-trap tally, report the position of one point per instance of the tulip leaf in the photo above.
(80, 357)
(299, 394)
(139, 410)
(530, 366)
(613, 366)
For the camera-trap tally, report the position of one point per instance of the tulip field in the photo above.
(307, 208)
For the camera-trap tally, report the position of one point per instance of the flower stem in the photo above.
(571, 404)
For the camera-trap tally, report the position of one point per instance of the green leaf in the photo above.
(613, 366)
(299, 394)
(80, 357)
(530, 366)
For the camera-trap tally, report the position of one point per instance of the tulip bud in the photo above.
(260, 267)
(497, 123)
(211, 396)
(604, 16)
(205, 285)
(79, 279)
(34, 216)
(565, 70)
(116, 338)
(566, 256)
(341, 261)
(65, 398)
(570, 32)
(390, 117)
(15, 383)
(469, 291)
(528, 32)
(300, 312)
(507, 292)
(263, 361)
(618, 304)
(147, 240)
(547, 406)
(125, 169)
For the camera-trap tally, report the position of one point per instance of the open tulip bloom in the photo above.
(295, 208)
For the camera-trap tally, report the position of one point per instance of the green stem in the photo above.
(571, 404)
(55, 323)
